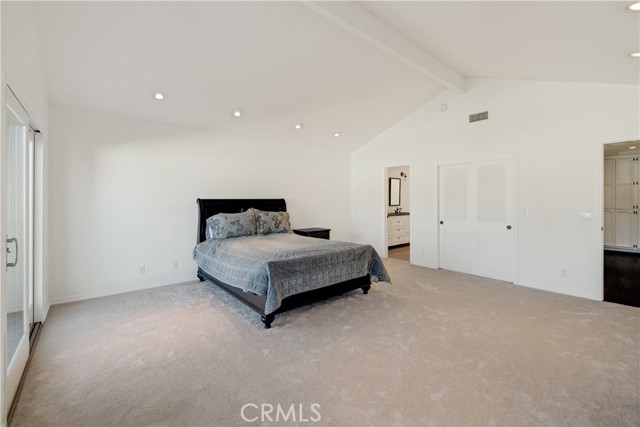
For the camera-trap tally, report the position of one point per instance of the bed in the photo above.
(275, 272)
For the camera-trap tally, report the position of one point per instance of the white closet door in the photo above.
(476, 218)
(609, 183)
(636, 236)
(609, 227)
(625, 176)
(626, 228)
(494, 220)
(457, 228)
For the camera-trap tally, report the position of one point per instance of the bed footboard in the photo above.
(257, 302)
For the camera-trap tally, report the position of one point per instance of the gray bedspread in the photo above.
(279, 265)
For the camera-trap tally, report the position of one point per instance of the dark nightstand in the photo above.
(320, 233)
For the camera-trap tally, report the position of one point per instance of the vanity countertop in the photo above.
(398, 214)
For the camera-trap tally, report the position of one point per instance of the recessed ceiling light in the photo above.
(298, 126)
(635, 55)
(158, 96)
(336, 134)
(634, 7)
(237, 113)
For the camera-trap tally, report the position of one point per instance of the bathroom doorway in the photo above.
(398, 212)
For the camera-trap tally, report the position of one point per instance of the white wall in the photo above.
(22, 69)
(124, 194)
(555, 131)
(22, 59)
(22, 64)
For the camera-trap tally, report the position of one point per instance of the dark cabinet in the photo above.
(320, 233)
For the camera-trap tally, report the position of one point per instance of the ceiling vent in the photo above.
(478, 116)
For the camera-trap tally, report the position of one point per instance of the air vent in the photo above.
(478, 116)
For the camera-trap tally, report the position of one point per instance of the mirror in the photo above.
(394, 191)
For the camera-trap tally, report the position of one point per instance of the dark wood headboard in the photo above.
(210, 207)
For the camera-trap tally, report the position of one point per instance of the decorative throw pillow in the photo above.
(273, 222)
(226, 225)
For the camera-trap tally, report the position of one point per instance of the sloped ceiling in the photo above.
(575, 41)
(283, 63)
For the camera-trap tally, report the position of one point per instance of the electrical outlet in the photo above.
(585, 216)
(564, 273)
(141, 269)
(175, 265)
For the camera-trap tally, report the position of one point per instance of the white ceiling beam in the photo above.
(368, 27)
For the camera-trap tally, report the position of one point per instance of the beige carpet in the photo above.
(434, 348)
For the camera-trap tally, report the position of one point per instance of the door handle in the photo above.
(508, 227)
(441, 222)
(13, 240)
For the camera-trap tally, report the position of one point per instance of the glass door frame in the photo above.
(12, 371)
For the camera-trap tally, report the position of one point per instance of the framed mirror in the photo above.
(394, 191)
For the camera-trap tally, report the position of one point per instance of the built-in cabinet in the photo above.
(398, 231)
(622, 203)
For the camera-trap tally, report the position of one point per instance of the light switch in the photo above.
(585, 216)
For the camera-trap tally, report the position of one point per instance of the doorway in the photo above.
(621, 223)
(398, 212)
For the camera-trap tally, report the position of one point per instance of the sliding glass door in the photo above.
(17, 194)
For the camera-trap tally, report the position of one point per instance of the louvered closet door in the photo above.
(477, 233)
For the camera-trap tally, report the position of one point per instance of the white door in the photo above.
(610, 227)
(609, 183)
(16, 205)
(477, 234)
(625, 192)
(627, 229)
(609, 202)
(637, 225)
(457, 227)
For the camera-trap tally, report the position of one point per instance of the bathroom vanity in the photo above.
(398, 229)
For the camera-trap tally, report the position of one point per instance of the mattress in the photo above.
(280, 265)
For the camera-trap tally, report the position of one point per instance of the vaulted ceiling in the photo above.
(349, 67)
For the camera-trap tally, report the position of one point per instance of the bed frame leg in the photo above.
(267, 319)
(201, 278)
(365, 289)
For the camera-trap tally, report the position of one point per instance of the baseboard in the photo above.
(91, 295)
(555, 291)
(621, 249)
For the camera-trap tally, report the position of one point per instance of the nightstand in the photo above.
(320, 233)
